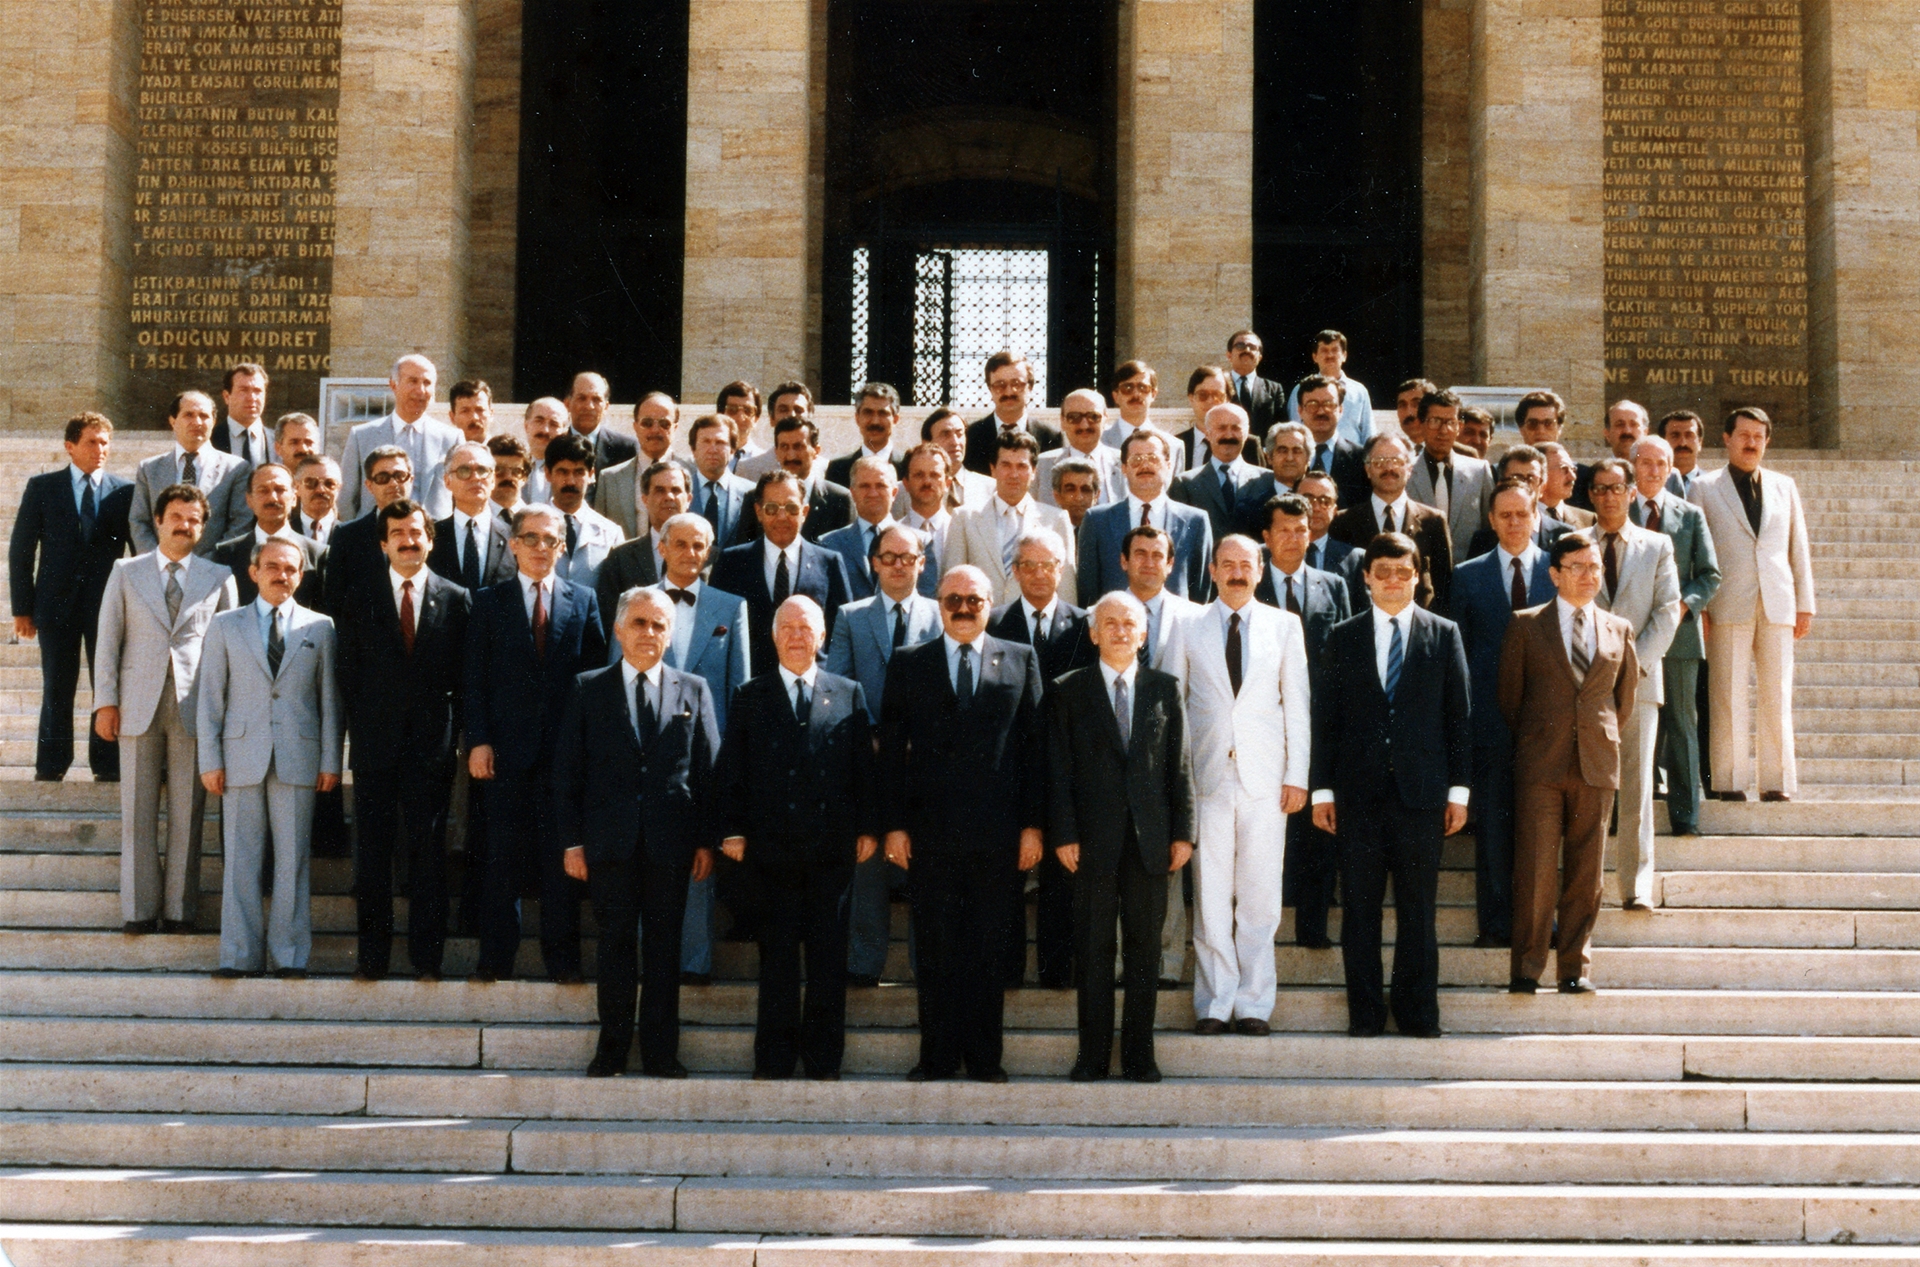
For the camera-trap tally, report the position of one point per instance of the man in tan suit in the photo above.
(1567, 678)
(1764, 604)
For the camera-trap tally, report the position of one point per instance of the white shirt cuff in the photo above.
(1323, 796)
(1457, 796)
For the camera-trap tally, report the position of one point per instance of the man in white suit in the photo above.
(154, 615)
(1765, 602)
(1243, 666)
(222, 477)
(426, 440)
(269, 730)
(1081, 416)
(1457, 484)
(1641, 584)
(983, 534)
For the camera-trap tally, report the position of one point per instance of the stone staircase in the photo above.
(1745, 1087)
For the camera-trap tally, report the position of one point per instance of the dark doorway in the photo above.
(602, 221)
(1336, 184)
(969, 192)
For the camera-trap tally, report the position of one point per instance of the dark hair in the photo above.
(173, 410)
(1013, 438)
(400, 508)
(928, 446)
(1329, 336)
(468, 387)
(1390, 545)
(738, 387)
(1542, 399)
(1292, 505)
(1754, 412)
(508, 446)
(81, 423)
(385, 453)
(254, 474)
(244, 367)
(1235, 336)
(1437, 400)
(1202, 373)
(1423, 386)
(1127, 371)
(706, 422)
(1571, 543)
(1379, 438)
(179, 493)
(1314, 382)
(1001, 360)
(1515, 485)
(1680, 415)
(1143, 533)
(568, 447)
(778, 475)
(795, 422)
(665, 466)
(1520, 453)
(1619, 466)
(879, 391)
(280, 424)
(792, 387)
(939, 415)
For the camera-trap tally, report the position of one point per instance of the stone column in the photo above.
(749, 74)
(401, 263)
(66, 176)
(1537, 216)
(1184, 208)
(1863, 222)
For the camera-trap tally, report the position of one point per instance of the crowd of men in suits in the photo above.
(1290, 648)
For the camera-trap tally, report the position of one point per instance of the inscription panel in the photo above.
(1706, 201)
(233, 201)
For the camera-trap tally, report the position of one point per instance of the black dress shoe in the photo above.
(1487, 941)
(290, 974)
(48, 778)
(1314, 943)
(1252, 1027)
(483, 977)
(1635, 904)
(228, 974)
(1141, 1073)
(1055, 983)
(429, 978)
(824, 1075)
(368, 974)
(672, 1070)
(1523, 985)
(606, 1065)
(1208, 1026)
(1083, 1072)
(572, 977)
(1578, 985)
(1688, 830)
(1365, 1031)
(862, 981)
(1775, 798)
(140, 927)
(993, 1075)
(1430, 1031)
(696, 978)
(1730, 796)
(176, 926)
(769, 1075)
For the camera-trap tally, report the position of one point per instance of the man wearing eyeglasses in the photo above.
(780, 563)
(354, 561)
(1340, 458)
(960, 725)
(1262, 398)
(511, 464)
(1082, 414)
(1457, 484)
(872, 488)
(470, 546)
(316, 479)
(1147, 456)
(1010, 379)
(1568, 676)
(527, 639)
(616, 490)
(1390, 509)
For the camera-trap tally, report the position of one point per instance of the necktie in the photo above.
(1313, 555)
(899, 625)
(276, 644)
(782, 582)
(1122, 711)
(88, 510)
(682, 596)
(963, 680)
(1519, 587)
(1581, 660)
(1653, 516)
(1243, 393)
(1293, 599)
(1039, 637)
(573, 541)
(1319, 462)
(643, 720)
(470, 566)
(1442, 475)
(1146, 514)
(406, 615)
(1396, 651)
(712, 511)
(866, 550)
(540, 620)
(189, 469)
(174, 593)
(1611, 558)
(246, 446)
(1226, 482)
(802, 706)
(1386, 523)
(1233, 651)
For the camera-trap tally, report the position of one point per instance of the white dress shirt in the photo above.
(1129, 675)
(771, 553)
(180, 461)
(1524, 559)
(397, 582)
(628, 675)
(788, 678)
(164, 562)
(1041, 619)
(256, 436)
(1588, 636)
(320, 529)
(1011, 520)
(1156, 516)
(934, 525)
(953, 661)
(1400, 509)
(528, 585)
(265, 612)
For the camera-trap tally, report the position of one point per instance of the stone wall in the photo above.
(1446, 191)
(493, 222)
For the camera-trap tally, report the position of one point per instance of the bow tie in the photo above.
(682, 596)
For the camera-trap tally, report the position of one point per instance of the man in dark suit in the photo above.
(270, 498)
(470, 545)
(796, 443)
(1323, 552)
(399, 662)
(526, 641)
(632, 812)
(71, 526)
(796, 795)
(1487, 591)
(960, 726)
(1391, 767)
(1525, 463)
(1009, 380)
(642, 560)
(1568, 673)
(1057, 631)
(354, 560)
(587, 404)
(1339, 457)
(1121, 819)
(780, 563)
(1264, 400)
(1311, 866)
(1389, 509)
(876, 412)
(243, 391)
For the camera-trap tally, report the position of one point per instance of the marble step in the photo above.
(1800, 889)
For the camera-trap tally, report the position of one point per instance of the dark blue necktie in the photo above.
(88, 511)
(1395, 652)
(470, 566)
(963, 680)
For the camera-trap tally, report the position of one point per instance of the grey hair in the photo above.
(1295, 429)
(1122, 598)
(393, 375)
(637, 594)
(259, 546)
(801, 603)
(474, 445)
(1653, 444)
(1646, 419)
(686, 519)
(875, 464)
(1045, 537)
(536, 510)
(1072, 466)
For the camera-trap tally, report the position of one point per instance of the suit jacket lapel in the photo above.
(876, 627)
(703, 622)
(152, 590)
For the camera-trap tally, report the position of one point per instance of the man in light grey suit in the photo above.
(865, 637)
(222, 477)
(709, 640)
(153, 621)
(1214, 484)
(1657, 508)
(1640, 584)
(269, 730)
(426, 441)
(1457, 484)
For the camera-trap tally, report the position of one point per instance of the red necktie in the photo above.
(1653, 516)
(540, 621)
(1519, 587)
(406, 615)
(1146, 514)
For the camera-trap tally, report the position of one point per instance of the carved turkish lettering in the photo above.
(1706, 206)
(232, 222)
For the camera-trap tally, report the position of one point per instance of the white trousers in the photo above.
(1633, 849)
(1736, 651)
(1236, 885)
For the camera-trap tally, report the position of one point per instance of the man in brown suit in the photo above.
(1567, 676)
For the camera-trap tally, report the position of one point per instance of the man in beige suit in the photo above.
(1567, 678)
(984, 534)
(1765, 602)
